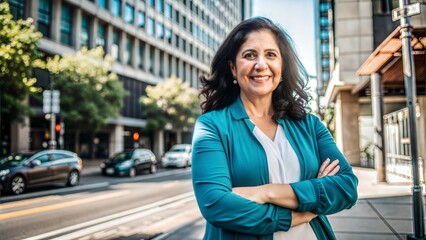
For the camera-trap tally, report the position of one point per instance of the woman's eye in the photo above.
(249, 55)
(271, 54)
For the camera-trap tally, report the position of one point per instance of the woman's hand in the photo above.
(328, 168)
(301, 217)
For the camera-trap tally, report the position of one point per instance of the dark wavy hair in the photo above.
(289, 99)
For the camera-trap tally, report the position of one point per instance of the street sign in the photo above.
(409, 10)
(50, 101)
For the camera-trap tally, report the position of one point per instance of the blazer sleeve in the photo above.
(329, 194)
(213, 189)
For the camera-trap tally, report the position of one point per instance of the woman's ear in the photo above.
(233, 70)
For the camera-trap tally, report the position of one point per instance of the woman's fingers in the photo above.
(328, 169)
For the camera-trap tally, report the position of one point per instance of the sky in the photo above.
(297, 18)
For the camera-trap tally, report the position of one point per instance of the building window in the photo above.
(128, 54)
(100, 37)
(184, 22)
(66, 25)
(160, 6)
(177, 42)
(177, 16)
(169, 35)
(141, 55)
(85, 31)
(325, 76)
(325, 62)
(151, 59)
(150, 26)
(44, 17)
(115, 47)
(129, 13)
(102, 4)
(151, 3)
(17, 8)
(160, 31)
(116, 8)
(140, 20)
(161, 65)
(170, 66)
(168, 11)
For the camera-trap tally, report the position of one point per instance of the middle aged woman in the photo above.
(261, 163)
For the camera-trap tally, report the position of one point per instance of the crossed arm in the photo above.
(283, 194)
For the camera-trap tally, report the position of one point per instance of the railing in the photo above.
(397, 145)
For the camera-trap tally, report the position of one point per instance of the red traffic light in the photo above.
(58, 127)
(135, 136)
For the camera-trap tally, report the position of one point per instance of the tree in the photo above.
(171, 102)
(90, 94)
(18, 51)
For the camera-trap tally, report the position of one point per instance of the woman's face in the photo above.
(258, 65)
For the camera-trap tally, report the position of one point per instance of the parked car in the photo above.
(130, 163)
(178, 156)
(20, 171)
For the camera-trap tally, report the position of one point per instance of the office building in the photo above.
(149, 40)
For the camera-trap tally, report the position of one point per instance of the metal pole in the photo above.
(410, 88)
(52, 142)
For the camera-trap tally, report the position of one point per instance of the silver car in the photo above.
(178, 156)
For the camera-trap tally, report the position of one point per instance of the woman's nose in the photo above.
(260, 64)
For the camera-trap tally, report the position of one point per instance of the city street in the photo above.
(102, 207)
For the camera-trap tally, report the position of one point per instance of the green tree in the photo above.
(90, 94)
(171, 102)
(18, 51)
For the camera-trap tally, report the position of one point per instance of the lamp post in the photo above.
(403, 14)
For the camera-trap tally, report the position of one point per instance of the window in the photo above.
(102, 4)
(161, 65)
(150, 27)
(141, 55)
(43, 158)
(17, 8)
(325, 62)
(44, 17)
(140, 19)
(115, 47)
(160, 31)
(66, 25)
(85, 31)
(169, 67)
(116, 8)
(151, 59)
(177, 16)
(100, 37)
(128, 54)
(129, 15)
(151, 3)
(160, 6)
(184, 22)
(177, 41)
(169, 35)
(168, 11)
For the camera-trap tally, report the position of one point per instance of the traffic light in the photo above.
(58, 127)
(135, 136)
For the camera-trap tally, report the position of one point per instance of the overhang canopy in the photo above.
(387, 60)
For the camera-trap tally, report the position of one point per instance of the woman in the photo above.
(261, 163)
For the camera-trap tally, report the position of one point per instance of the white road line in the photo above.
(117, 216)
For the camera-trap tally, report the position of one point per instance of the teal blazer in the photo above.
(226, 154)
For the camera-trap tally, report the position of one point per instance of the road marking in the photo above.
(60, 205)
(118, 217)
(28, 202)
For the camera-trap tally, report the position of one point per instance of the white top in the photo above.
(284, 167)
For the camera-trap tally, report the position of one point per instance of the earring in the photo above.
(235, 81)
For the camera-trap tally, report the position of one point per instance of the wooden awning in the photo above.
(387, 60)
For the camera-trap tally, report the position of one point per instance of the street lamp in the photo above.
(403, 14)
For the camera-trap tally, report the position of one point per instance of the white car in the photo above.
(178, 156)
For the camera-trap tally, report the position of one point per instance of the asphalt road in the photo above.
(102, 208)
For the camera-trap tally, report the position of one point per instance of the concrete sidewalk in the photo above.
(383, 211)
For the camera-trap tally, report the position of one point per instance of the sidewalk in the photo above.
(383, 212)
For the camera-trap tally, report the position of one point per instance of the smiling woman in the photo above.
(262, 165)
